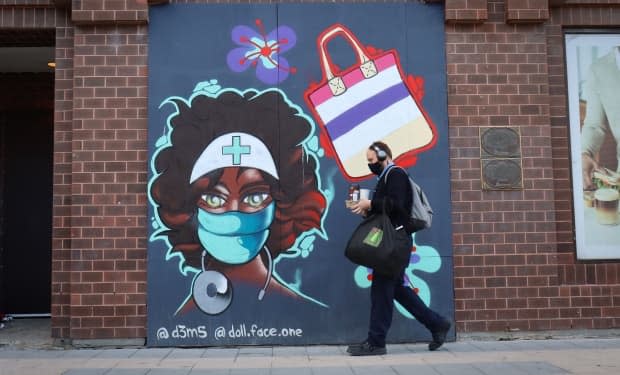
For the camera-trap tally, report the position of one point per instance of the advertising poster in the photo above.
(260, 116)
(593, 75)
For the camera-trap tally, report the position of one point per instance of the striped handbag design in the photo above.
(367, 102)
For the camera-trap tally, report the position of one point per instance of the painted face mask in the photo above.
(235, 237)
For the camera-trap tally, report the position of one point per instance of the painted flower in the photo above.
(423, 258)
(262, 51)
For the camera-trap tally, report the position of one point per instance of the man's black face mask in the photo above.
(376, 167)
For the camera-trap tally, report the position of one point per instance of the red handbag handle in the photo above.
(329, 34)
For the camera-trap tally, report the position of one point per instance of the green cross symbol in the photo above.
(236, 150)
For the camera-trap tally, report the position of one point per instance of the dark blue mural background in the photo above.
(188, 44)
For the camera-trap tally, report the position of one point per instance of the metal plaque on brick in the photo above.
(500, 142)
(500, 156)
(501, 174)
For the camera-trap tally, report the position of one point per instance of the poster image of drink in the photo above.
(251, 157)
(593, 76)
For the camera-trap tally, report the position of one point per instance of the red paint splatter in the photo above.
(416, 85)
(407, 160)
(373, 51)
(326, 145)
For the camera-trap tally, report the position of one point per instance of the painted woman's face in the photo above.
(245, 192)
(234, 215)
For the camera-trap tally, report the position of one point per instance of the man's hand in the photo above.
(588, 165)
(361, 207)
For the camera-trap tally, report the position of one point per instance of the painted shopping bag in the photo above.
(367, 102)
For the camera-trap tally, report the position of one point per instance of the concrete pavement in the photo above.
(583, 356)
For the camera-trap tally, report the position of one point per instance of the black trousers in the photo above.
(383, 291)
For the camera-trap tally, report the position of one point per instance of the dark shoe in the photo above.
(353, 347)
(439, 336)
(366, 348)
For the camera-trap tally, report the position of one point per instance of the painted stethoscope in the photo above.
(232, 237)
(212, 290)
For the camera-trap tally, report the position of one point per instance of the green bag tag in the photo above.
(374, 237)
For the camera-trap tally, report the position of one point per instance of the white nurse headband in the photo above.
(234, 150)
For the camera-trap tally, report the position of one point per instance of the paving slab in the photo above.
(399, 350)
(86, 371)
(503, 368)
(456, 369)
(414, 370)
(8, 353)
(460, 347)
(249, 351)
(127, 371)
(332, 371)
(179, 353)
(373, 370)
(322, 350)
(287, 351)
(34, 353)
(291, 371)
(221, 352)
(597, 343)
(116, 353)
(81, 354)
(168, 371)
(540, 368)
(249, 371)
(152, 353)
(209, 372)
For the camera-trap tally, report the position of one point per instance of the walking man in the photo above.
(395, 192)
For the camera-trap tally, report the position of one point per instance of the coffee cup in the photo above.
(606, 206)
(364, 193)
(588, 198)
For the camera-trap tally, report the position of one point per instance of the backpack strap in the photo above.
(421, 215)
(393, 166)
(410, 184)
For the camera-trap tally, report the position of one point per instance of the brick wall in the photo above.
(466, 11)
(63, 124)
(108, 216)
(109, 11)
(514, 253)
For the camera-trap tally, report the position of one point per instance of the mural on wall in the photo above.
(225, 203)
(593, 77)
(251, 155)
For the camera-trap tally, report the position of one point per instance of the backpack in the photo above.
(421, 215)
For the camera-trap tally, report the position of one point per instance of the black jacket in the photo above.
(396, 194)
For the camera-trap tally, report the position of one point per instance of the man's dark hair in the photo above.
(381, 146)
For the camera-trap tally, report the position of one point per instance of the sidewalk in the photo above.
(519, 357)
